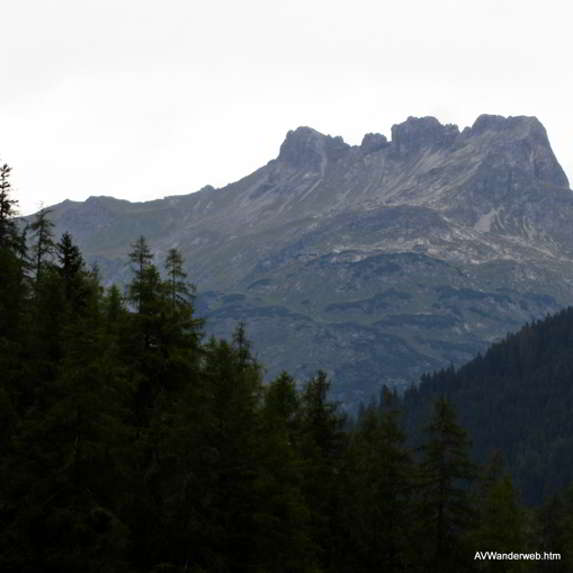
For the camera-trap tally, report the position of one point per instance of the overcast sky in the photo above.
(141, 99)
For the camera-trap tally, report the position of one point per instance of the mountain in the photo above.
(375, 262)
(515, 399)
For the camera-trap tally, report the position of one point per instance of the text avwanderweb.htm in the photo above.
(512, 556)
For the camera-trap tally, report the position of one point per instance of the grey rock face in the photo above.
(373, 142)
(374, 262)
(526, 139)
(419, 133)
(306, 148)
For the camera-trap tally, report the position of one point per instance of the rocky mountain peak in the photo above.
(306, 148)
(525, 140)
(373, 142)
(419, 132)
(524, 124)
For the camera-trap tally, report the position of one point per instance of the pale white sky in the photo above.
(139, 99)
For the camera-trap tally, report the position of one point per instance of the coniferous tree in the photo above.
(14, 313)
(13, 291)
(225, 485)
(179, 290)
(183, 330)
(43, 241)
(129, 445)
(283, 537)
(71, 268)
(380, 486)
(161, 346)
(13, 304)
(555, 522)
(322, 442)
(65, 460)
(142, 336)
(502, 526)
(445, 509)
(7, 209)
(141, 258)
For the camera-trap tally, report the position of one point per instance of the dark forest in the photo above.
(129, 442)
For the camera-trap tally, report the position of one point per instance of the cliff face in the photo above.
(375, 262)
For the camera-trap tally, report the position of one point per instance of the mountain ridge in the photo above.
(325, 229)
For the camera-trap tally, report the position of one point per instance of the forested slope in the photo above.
(516, 398)
(129, 443)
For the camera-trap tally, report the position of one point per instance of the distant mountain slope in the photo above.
(377, 262)
(516, 398)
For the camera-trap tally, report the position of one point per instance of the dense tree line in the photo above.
(517, 398)
(129, 443)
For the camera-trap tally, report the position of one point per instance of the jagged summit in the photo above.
(421, 132)
(498, 122)
(373, 142)
(521, 138)
(307, 148)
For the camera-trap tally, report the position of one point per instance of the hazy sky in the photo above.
(140, 99)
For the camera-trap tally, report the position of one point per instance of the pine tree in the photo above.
(14, 312)
(380, 482)
(13, 287)
(502, 525)
(7, 209)
(234, 379)
(71, 268)
(555, 521)
(183, 330)
(283, 536)
(160, 343)
(13, 305)
(446, 512)
(65, 462)
(179, 290)
(321, 443)
(43, 246)
(142, 333)
(208, 465)
(160, 337)
(141, 258)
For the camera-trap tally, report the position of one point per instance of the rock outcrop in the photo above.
(306, 148)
